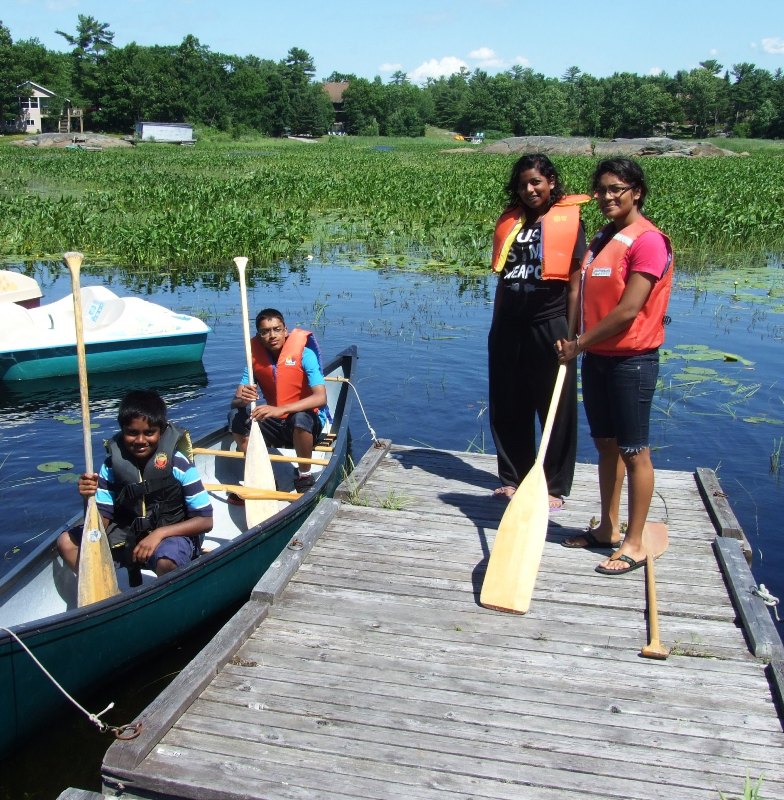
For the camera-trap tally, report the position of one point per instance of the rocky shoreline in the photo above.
(580, 146)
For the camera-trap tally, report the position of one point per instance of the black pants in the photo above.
(522, 371)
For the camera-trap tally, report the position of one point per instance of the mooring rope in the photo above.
(341, 379)
(767, 598)
(122, 732)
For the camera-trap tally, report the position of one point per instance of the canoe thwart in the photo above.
(251, 493)
(207, 451)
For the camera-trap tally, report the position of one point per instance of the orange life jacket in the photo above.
(602, 284)
(285, 381)
(560, 227)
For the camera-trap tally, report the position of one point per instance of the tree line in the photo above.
(118, 86)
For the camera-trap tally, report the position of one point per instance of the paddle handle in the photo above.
(74, 263)
(242, 263)
(654, 648)
(550, 419)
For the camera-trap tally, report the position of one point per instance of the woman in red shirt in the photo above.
(625, 287)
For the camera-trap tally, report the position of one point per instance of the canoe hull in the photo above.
(85, 648)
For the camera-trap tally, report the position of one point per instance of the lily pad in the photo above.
(55, 466)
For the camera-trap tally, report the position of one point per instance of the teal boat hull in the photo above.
(88, 647)
(52, 362)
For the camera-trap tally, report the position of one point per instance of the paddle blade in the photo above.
(517, 550)
(97, 578)
(655, 538)
(258, 475)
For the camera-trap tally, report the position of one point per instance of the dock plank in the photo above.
(376, 673)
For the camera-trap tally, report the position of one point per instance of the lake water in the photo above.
(422, 380)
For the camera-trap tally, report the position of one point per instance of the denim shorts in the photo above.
(277, 432)
(617, 396)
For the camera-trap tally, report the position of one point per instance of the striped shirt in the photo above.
(197, 501)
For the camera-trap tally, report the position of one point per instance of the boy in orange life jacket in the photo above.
(287, 367)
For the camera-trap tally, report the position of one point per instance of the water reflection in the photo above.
(20, 400)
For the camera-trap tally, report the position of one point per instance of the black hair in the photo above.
(628, 171)
(144, 403)
(542, 164)
(269, 313)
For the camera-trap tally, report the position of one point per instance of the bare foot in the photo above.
(504, 492)
(555, 503)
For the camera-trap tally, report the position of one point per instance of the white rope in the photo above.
(767, 598)
(361, 408)
(94, 718)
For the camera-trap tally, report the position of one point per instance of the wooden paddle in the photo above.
(258, 468)
(655, 540)
(517, 551)
(97, 578)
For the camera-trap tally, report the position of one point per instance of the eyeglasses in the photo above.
(612, 191)
(265, 332)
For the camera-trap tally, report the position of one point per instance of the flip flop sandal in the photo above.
(633, 565)
(591, 543)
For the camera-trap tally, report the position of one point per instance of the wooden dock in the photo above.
(363, 666)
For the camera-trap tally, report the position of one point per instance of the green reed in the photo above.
(416, 205)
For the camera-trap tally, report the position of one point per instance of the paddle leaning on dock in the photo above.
(84, 647)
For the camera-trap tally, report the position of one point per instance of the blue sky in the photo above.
(428, 38)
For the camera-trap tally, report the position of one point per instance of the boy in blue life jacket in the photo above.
(150, 496)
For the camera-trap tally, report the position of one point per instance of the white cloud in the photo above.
(437, 68)
(773, 45)
(522, 61)
(655, 71)
(390, 68)
(713, 52)
(482, 54)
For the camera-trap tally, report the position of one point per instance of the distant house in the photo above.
(41, 110)
(334, 90)
(165, 132)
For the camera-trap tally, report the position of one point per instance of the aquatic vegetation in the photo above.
(414, 206)
(751, 790)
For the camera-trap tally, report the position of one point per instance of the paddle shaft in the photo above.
(550, 419)
(258, 468)
(74, 263)
(97, 579)
(654, 648)
(242, 263)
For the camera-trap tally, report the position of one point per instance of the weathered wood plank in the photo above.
(718, 507)
(763, 637)
(359, 475)
(159, 716)
(273, 582)
(377, 674)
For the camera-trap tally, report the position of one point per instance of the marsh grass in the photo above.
(775, 456)
(751, 791)
(404, 203)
